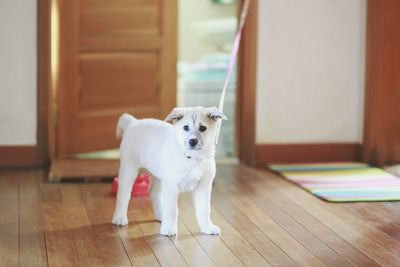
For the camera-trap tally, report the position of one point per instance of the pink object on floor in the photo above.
(140, 188)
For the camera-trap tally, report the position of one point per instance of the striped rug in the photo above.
(343, 182)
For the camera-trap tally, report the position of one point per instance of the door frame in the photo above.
(45, 124)
(246, 89)
(380, 133)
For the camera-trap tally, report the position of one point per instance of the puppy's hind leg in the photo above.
(156, 198)
(128, 172)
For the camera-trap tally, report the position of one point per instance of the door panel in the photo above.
(115, 56)
(126, 73)
(120, 17)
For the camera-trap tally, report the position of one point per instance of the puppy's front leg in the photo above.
(201, 200)
(169, 205)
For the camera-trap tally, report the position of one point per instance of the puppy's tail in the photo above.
(123, 123)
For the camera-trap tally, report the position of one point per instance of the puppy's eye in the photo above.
(186, 128)
(202, 128)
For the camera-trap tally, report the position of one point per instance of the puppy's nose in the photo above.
(193, 142)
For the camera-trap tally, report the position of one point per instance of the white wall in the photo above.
(18, 72)
(310, 86)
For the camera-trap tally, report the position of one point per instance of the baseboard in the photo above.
(18, 156)
(303, 153)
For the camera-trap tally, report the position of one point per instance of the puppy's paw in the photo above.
(211, 230)
(120, 220)
(168, 229)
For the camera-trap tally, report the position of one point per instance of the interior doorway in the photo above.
(206, 32)
(242, 108)
(111, 57)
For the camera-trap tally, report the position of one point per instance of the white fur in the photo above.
(165, 151)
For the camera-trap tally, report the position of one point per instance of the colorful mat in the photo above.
(343, 182)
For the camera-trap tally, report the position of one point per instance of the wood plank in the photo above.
(136, 246)
(9, 219)
(239, 245)
(163, 247)
(100, 211)
(251, 232)
(322, 242)
(79, 227)
(379, 214)
(301, 234)
(242, 249)
(264, 220)
(60, 250)
(32, 235)
(276, 233)
(189, 248)
(374, 243)
(215, 248)
(320, 230)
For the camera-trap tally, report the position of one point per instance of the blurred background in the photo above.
(316, 79)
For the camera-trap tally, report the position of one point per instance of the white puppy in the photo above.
(180, 156)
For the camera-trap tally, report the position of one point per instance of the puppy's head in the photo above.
(195, 128)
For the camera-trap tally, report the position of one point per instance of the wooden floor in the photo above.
(264, 220)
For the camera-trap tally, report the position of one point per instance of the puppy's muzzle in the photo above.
(193, 142)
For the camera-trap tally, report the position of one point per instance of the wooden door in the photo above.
(115, 56)
(382, 107)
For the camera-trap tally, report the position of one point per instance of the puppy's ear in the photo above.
(215, 114)
(175, 115)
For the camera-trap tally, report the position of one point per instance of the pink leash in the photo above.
(232, 60)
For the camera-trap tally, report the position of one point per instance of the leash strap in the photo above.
(232, 60)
